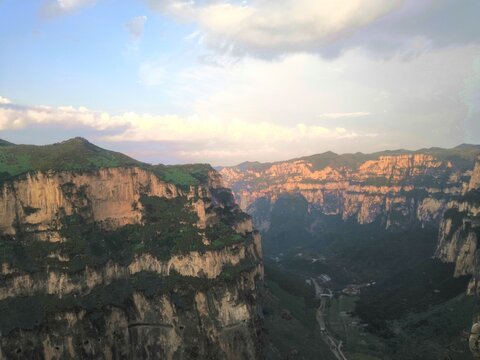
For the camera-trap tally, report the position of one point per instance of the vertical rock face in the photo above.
(460, 231)
(463, 247)
(392, 188)
(118, 264)
(475, 178)
(105, 196)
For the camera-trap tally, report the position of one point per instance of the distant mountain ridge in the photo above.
(388, 185)
(463, 154)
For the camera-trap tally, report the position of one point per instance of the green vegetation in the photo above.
(329, 158)
(440, 332)
(253, 165)
(291, 283)
(169, 227)
(354, 252)
(344, 325)
(31, 311)
(80, 155)
(5, 143)
(289, 220)
(221, 235)
(390, 320)
(232, 272)
(289, 318)
(410, 291)
(375, 181)
(462, 156)
(74, 154)
(183, 175)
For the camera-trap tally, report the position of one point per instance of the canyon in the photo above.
(102, 256)
(395, 192)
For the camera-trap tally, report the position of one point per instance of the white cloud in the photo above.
(269, 28)
(136, 26)
(62, 7)
(148, 127)
(202, 130)
(13, 116)
(194, 136)
(4, 101)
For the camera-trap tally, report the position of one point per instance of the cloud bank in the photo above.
(272, 28)
(208, 138)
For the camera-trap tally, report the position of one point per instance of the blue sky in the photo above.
(228, 81)
(86, 58)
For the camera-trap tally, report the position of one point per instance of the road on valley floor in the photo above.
(324, 294)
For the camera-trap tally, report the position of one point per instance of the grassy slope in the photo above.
(73, 154)
(440, 332)
(289, 309)
(78, 154)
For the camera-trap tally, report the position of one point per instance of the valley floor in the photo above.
(305, 319)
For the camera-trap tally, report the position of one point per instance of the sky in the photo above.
(226, 81)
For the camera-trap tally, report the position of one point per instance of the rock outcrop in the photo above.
(116, 263)
(40, 200)
(458, 241)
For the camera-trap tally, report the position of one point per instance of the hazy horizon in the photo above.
(220, 165)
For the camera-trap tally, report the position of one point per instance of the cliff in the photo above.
(460, 231)
(434, 188)
(458, 242)
(117, 262)
(385, 187)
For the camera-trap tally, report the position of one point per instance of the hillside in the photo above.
(78, 154)
(73, 154)
(5, 143)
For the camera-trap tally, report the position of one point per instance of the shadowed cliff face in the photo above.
(458, 243)
(118, 263)
(460, 231)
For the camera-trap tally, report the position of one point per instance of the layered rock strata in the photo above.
(118, 264)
